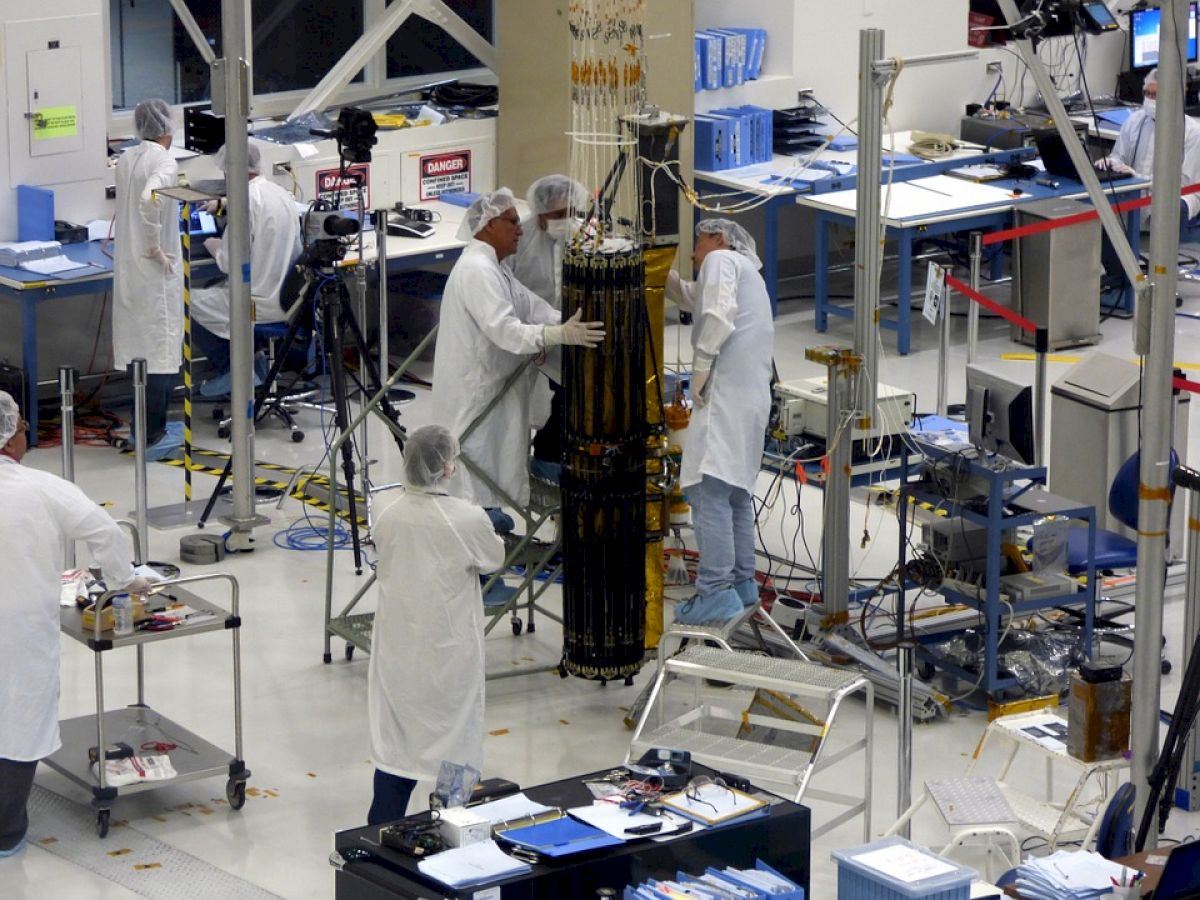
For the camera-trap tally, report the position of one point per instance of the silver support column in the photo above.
(66, 394)
(363, 445)
(973, 307)
(1154, 491)
(943, 378)
(139, 455)
(868, 235)
(231, 98)
(904, 736)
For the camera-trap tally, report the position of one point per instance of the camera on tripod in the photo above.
(354, 133)
(326, 234)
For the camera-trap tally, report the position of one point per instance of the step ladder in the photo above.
(705, 729)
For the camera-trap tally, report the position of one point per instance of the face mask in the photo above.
(1148, 106)
(559, 229)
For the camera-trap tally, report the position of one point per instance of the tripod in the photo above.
(332, 309)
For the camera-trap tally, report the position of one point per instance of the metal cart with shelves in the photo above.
(1009, 496)
(193, 757)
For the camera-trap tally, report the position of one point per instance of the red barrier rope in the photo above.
(1008, 234)
(1017, 319)
(1184, 385)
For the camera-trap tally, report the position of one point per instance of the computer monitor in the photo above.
(1000, 415)
(1180, 879)
(1143, 37)
(203, 224)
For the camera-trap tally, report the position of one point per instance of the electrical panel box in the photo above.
(803, 408)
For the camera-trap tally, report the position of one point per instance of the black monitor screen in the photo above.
(1143, 37)
(1000, 415)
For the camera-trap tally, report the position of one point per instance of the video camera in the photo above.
(354, 133)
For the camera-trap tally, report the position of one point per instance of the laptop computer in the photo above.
(1180, 879)
(1054, 155)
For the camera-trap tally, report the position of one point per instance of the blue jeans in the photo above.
(214, 349)
(391, 798)
(723, 519)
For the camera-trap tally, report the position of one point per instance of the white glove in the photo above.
(574, 332)
(140, 586)
(1113, 165)
(212, 245)
(679, 291)
(212, 206)
(167, 262)
(699, 383)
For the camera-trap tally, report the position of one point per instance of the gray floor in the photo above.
(305, 722)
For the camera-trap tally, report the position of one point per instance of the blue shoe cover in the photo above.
(14, 850)
(219, 387)
(498, 595)
(171, 441)
(747, 592)
(502, 522)
(719, 607)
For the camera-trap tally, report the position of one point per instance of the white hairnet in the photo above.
(551, 193)
(485, 208)
(426, 453)
(10, 417)
(1151, 77)
(152, 118)
(737, 237)
(253, 159)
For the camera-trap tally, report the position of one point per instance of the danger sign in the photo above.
(445, 173)
(342, 190)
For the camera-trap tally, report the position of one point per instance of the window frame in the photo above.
(374, 83)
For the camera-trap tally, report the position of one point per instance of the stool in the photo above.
(273, 403)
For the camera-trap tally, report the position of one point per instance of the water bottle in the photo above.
(122, 606)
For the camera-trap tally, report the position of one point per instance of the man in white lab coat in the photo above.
(274, 246)
(491, 324)
(147, 318)
(732, 339)
(425, 680)
(39, 514)
(1133, 153)
(538, 265)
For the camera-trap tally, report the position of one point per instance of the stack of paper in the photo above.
(724, 884)
(1070, 875)
(470, 865)
(13, 253)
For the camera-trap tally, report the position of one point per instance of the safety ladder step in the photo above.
(762, 761)
(789, 676)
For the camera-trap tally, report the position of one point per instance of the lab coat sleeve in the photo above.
(1191, 166)
(1122, 150)
(487, 301)
(542, 312)
(718, 286)
(82, 520)
(484, 546)
(164, 176)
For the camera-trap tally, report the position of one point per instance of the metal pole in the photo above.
(944, 353)
(381, 221)
(973, 307)
(1154, 493)
(235, 106)
(868, 243)
(139, 453)
(904, 664)
(1189, 479)
(360, 291)
(1041, 393)
(66, 393)
(842, 366)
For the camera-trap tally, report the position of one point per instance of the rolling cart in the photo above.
(138, 725)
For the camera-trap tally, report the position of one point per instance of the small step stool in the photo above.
(821, 688)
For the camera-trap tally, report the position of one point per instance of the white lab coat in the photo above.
(538, 262)
(733, 324)
(425, 678)
(274, 246)
(147, 317)
(1135, 148)
(490, 324)
(39, 513)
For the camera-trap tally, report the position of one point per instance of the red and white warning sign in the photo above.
(342, 190)
(445, 173)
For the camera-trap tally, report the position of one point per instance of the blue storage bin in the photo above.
(858, 881)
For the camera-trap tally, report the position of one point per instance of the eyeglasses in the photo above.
(696, 785)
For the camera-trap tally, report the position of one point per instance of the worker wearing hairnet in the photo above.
(425, 681)
(731, 395)
(147, 317)
(490, 326)
(39, 514)
(274, 246)
(1133, 153)
(538, 265)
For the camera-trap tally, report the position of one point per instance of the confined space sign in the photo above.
(445, 173)
(55, 122)
(342, 190)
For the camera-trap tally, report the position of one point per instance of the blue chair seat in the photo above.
(271, 331)
(1113, 551)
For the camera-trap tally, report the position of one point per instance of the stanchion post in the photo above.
(973, 308)
(185, 211)
(1041, 392)
(66, 393)
(139, 453)
(904, 664)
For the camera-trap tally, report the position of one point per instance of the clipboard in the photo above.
(716, 805)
